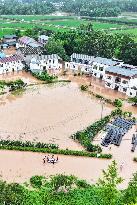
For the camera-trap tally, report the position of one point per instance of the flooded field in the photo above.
(48, 113)
(25, 76)
(20, 166)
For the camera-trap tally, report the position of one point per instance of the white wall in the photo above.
(45, 64)
(10, 66)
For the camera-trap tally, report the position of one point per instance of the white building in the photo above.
(80, 62)
(99, 66)
(43, 39)
(89, 64)
(11, 64)
(122, 79)
(41, 63)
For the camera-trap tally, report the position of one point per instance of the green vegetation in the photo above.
(44, 76)
(84, 87)
(86, 136)
(118, 103)
(35, 17)
(135, 159)
(55, 151)
(67, 190)
(133, 100)
(28, 144)
(12, 85)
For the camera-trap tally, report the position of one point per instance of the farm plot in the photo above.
(35, 17)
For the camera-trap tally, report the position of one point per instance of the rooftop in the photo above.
(11, 59)
(44, 37)
(122, 71)
(30, 42)
(9, 36)
(36, 59)
(100, 60)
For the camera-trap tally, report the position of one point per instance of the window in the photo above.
(101, 68)
(109, 77)
(49, 61)
(125, 90)
(53, 61)
(108, 84)
(117, 80)
(124, 81)
(95, 67)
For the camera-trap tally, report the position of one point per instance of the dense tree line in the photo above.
(68, 190)
(97, 43)
(14, 7)
(92, 8)
(99, 8)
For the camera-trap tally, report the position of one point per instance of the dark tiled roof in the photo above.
(11, 59)
(30, 51)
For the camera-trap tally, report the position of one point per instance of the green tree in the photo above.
(109, 184)
(56, 47)
(130, 195)
(118, 103)
(62, 182)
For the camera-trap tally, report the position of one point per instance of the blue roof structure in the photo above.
(2, 55)
(10, 36)
(106, 61)
(122, 71)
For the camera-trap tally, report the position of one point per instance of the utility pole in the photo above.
(102, 107)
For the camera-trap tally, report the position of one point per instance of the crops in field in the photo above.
(54, 25)
(6, 31)
(132, 31)
(9, 23)
(35, 17)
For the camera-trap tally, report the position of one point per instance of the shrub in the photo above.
(55, 151)
(36, 181)
(44, 76)
(82, 184)
(84, 87)
(135, 159)
(62, 182)
(118, 103)
(27, 144)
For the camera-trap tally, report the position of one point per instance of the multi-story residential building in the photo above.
(11, 64)
(39, 63)
(122, 79)
(94, 65)
(80, 62)
(99, 66)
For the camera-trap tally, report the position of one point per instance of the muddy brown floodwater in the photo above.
(50, 114)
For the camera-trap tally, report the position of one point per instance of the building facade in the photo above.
(39, 63)
(122, 79)
(11, 64)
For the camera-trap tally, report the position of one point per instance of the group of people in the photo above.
(50, 159)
